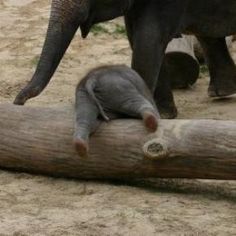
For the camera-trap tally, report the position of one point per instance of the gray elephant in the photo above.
(107, 93)
(150, 24)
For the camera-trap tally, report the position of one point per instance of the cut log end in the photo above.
(155, 149)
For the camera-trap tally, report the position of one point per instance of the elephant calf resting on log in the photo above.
(111, 92)
(150, 24)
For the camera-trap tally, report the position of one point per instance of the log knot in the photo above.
(155, 149)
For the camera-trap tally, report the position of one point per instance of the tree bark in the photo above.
(181, 65)
(39, 140)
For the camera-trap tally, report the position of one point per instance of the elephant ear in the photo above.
(103, 11)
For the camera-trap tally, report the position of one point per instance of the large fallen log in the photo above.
(39, 140)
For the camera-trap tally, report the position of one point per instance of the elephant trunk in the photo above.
(66, 16)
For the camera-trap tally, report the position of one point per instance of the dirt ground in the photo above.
(36, 205)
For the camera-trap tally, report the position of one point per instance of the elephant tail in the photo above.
(90, 85)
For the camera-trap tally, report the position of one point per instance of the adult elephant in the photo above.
(151, 24)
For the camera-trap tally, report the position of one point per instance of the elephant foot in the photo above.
(223, 87)
(150, 121)
(167, 110)
(81, 147)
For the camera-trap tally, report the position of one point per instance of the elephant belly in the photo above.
(212, 18)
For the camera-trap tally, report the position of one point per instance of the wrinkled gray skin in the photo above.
(151, 24)
(107, 93)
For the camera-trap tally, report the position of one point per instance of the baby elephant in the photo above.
(111, 92)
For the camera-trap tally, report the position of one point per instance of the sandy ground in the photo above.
(36, 205)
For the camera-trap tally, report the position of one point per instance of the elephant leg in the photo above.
(66, 17)
(147, 53)
(86, 121)
(221, 66)
(138, 106)
(149, 32)
(163, 94)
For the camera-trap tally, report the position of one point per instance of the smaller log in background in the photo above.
(39, 140)
(180, 66)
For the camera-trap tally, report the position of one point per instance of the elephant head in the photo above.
(66, 17)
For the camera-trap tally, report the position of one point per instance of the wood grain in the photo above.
(39, 140)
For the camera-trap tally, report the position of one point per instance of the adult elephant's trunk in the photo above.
(66, 17)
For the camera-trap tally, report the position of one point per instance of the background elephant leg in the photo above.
(86, 121)
(149, 32)
(221, 66)
(163, 94)
(129, 28)
(148, 53)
